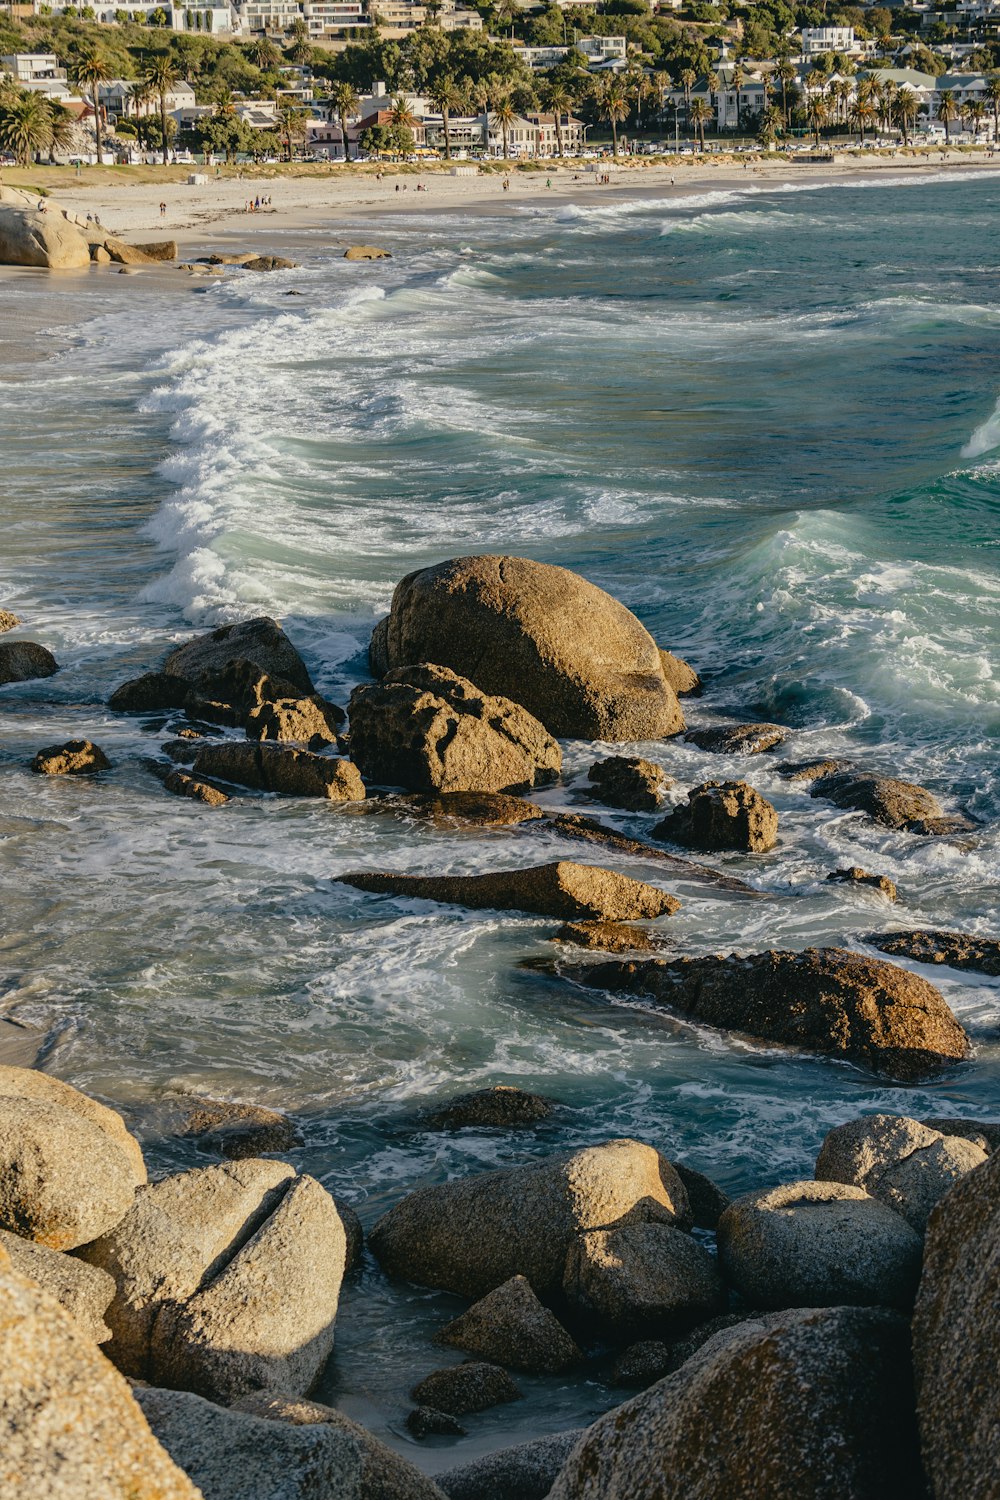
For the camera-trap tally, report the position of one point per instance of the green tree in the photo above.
(88, 72)
(160, 74)
(946, 112)
(504, 114)
(446, 96)
(559, 101)
(817, 113)
(345, 102)
(771, 125)
(612, 105)
(699, 115)
(993, 99)
(786, 77)
(25, 126)
(904, 112)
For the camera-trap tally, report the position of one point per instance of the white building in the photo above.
(817, 39)
(31, 67)
(217, 19)
(330, 17)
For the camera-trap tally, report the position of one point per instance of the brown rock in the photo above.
(75, 758)
(501, 1106)
(681, 677)
(474, 809)
(125, 254)
(982, 1133)
(956, 1327)
(474, 1234)
(561, 889)
(510, 1327)
(8, 621)
(238, 1131)
(30, 237)
(708, 1201)
(575, 826)
(737, 739)
(23, 661)
(100, 256)
(642, 1363)
(818, 1244)
(722, 815)
(29, 1083)
(159, 249)
(855, 875)
(238, 259)
(470, 1387)
(309, 721)
(809, 770)
(149, 693)
(260, 641)
(424, 1421)
(270, 263)
(821, 1000)
(426, 728)
(642, 1278)
(354, 1232)
(182, 752)
(896, 804)
(84, 1291)
(899, 1161)
(956, 950)
(366, 252)
(611, 937)
(199, 791)
(280, 768)
(628, 782)
(540, 635)
(69, 1426)
(811, 1403)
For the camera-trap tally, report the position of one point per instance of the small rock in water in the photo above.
(24, 661)
(238, 1131)
(181, 751)
(904, 1164)
(855, 875)
(8, 621)
(628, 782)
(502, 1106)
(809, 770)
(260, 642)
(198, 790)
(738, 739)
(895, 804)
(269, 263)
(475, 1386)
(75, 758)
(280, 768)
(956, 950)
(424, 1421)
(366, 252)
(474, 809)
(311, 721)
(722, 815)
(509, 1326)
(612, 937)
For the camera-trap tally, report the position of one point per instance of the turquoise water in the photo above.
(766, 420)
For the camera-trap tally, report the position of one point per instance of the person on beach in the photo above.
(163, 210)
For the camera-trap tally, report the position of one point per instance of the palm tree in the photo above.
(612, 103)
(505, 114)
(61, 127)
(293, 124)
(505, 13)
(973, 111)
(700, 113)
(160, 74)
(89, 72)
(661, 87)
(904, 112)
(557, 98)
(947, 111)
(345, 101)
(445, 95)
(861, 115)
(771, 125)
(736, 82)
(263, 54)
(688, 79)
(786, 75)
(25, 125)
(817, 113)
(993, 97)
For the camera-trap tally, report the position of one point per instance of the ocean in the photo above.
(766, 419)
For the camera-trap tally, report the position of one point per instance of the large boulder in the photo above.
(563, 889)
(895, 804)
(527, 1471)
(982, 1133)
(84, 1291)
(427, 729)
(473, 1235)
(818, 1244)
(897, 1160)
(24, 661)
(642, 1277)
(819, 1000)
(956, 1330)
(233, 1455)
(629, 782)
(722, 815)
(385, 1474)
(261, 641)
(953, 950)
(63, 1181)
(268, 767)
(40, 238)
(69, 1426)
(573, 656)
(228, 1279)
(29, 1083)
(509, 1326)
(813, 1403)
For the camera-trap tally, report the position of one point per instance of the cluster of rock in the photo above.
(36, 232)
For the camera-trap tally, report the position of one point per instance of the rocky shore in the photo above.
(826, 1337)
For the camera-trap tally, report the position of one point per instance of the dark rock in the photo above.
(354, 1232)
(628, 782)
(75, 758)
(181, 751)
(426, 728)
(199, 791)
(502, 1106)
(270, 263)
(238, 1131)
(737, 739)
(260, 641)
(424, 1421)
(475, 1386)
(895, 804)
(681, 677)
(575, 826)
(722, 815)
(527, 1471)
(822, 1000)
(809, 770)
(642, 1278)
(279, 768)
(539, 635)
(904, 1164)
(640, 1364)
(23, 661)
(955, 950)
(956, 1330)
(811, 1403)
(148, 693)
(474, 1234)
(509, 1326)
(562, 889)
(708, 1202)
(983, 1133)
(474, 809)
(855, 875)
(818, 1244)
(611, 937)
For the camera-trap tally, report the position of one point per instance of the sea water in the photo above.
(767, 420)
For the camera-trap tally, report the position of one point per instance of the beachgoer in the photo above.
(397, 187)
(163, 210)
(548, 182)
(256, 205)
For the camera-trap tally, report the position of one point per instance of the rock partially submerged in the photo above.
(855, 875)
(260, 641)
(722, 815)
(821, 1000)
(8, 621)
(562, 889)
(236, 1131)
(305, 720)
(955, 950)
(895, 804)
(611, 937)
(642, 1278)
(40, 237)
(475, 1386)
(628, 782)
(737, 739)
(269, 263)
(366, 252)
(502, 1106)
(473, 1235)
(510, 1327)
(527, 1471)
(539, 635)
(268, 767)
(195, 788)
(591, 831)
(427, 729)
(24, 661)
(904, 1164)
(473, 809)
(75, 758)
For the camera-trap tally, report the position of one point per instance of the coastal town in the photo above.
(519, 80)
